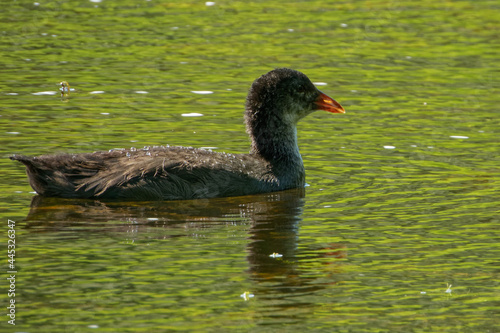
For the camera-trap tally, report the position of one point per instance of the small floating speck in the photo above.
(458, 137)
(14, 133)
(276, 255)
(183, 62)
(41, 93)
(153, 219)
(202, 92)
(423, 292)
(96, 92)
(192, 114)
(209, 148)
(425, 103)
(141, 92)
(327, 206)
(54, 35)
(27, 59)
(389, 147)
(448, 290)
(290, 30)
(95, 1)
(209, 3)
(36, 3)
(343, 25)
(105, 113)
(354, 91)
(430, 147)
(408, 57)
(414, 146)
(12, 94)
(93, 326)
(174, 28)
(320, 83)
(247, 295)
(18, 192)
(65, 88)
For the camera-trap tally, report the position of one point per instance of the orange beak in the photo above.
(325, 102)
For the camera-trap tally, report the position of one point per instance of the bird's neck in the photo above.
(275, 144)
(278, 145)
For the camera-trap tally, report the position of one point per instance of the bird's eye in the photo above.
(301, 89)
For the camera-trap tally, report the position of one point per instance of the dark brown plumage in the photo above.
(275, 103)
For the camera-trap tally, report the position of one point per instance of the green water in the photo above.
(404, 189)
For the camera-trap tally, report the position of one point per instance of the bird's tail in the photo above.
(50, 176)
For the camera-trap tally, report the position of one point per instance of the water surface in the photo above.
(403, 190)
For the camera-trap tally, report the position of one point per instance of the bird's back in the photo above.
(156, 173)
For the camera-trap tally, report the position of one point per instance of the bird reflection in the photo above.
(273, 219)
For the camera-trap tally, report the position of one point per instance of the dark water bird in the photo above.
(275, 103)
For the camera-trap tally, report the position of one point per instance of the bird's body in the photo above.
(152, 173)
(276, 101)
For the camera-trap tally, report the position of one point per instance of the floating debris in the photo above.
(448, 290)
(97, 92)
(389, 147)
(192, 114)
(209, 3)
(276, 255)
(247, 295)
(65, 88)
(458, 137)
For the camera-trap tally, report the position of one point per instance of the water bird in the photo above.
(275, 103)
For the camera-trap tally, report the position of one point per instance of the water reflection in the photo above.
(273, 220)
